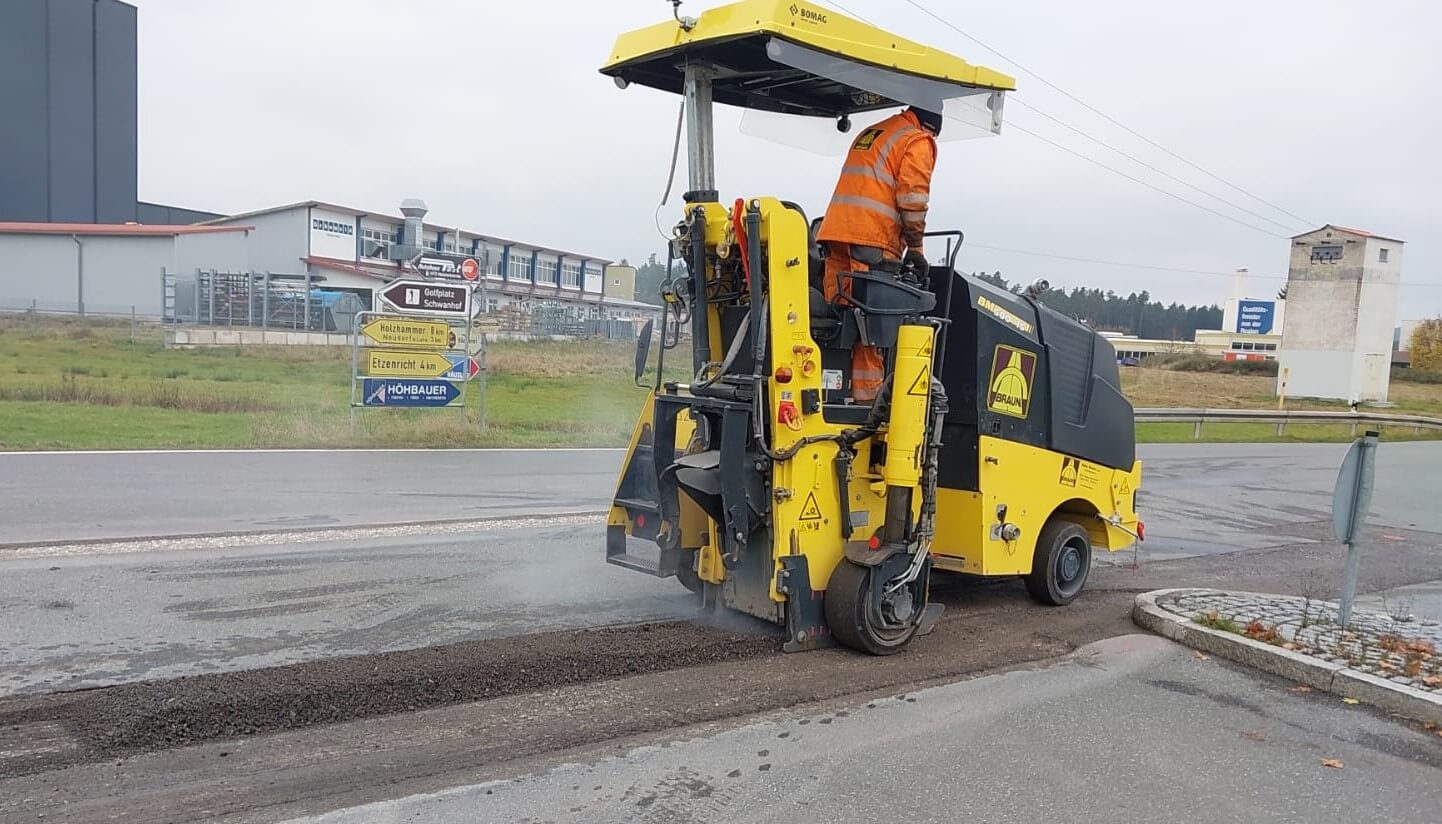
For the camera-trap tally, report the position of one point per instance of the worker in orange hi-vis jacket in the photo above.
(878, 214)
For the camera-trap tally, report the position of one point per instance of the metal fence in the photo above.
(258, 300)
(1282, 417)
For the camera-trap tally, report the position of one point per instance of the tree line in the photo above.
(1106, 311)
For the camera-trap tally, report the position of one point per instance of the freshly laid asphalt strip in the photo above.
(140, 717)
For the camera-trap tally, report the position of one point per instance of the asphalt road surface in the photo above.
(86, 615)
(417, 661)
(86, 620)
(89, 496)
(1132, 729)
(1195, 495)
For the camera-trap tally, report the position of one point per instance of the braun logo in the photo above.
(807, 14)
(331, 226)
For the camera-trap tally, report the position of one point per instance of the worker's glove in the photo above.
(918, 262)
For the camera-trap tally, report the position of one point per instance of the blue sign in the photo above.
(463, 367)
(1255, 316)
(407, 392)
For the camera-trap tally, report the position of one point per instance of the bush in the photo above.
(1209, 363)
(1415, 375)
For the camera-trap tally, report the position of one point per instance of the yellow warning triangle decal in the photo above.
(925, 350)
(811, 511)
(922, 384)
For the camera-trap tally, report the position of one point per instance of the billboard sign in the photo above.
(332, 234)
(1254, 317)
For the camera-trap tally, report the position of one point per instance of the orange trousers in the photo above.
(868, 367)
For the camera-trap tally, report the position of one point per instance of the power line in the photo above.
(1147, 165)
(1114, 170)
(1151, 186)
(1103, 114)
(1146, 266)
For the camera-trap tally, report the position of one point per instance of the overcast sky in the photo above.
(494, 113)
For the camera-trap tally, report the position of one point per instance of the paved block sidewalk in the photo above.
(1391, 660)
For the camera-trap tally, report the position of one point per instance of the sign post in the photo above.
(1351, 500)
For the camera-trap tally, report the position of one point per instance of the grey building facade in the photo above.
(68, 137)
(68, 124)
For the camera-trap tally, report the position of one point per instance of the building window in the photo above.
(451, 246)
(546, 271)
(430, 244)
(377, 241)
(571, 275)
(520, 266)
(1327, 254)
(1381, 255)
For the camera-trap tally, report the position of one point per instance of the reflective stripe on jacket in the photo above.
(885, 187)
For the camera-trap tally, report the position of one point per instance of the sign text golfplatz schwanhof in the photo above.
(425, 298)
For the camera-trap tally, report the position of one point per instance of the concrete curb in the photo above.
(1327, 676)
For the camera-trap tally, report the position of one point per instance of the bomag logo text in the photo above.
(807, 14)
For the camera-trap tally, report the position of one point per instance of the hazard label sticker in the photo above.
(925, 350)
(922, 384)
(811, 511)
(831, 379)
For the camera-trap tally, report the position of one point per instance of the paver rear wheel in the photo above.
(688, 576)
(1061, 563)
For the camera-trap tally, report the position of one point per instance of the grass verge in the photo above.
(71, 385)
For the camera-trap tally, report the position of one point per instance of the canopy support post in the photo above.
(700, 131)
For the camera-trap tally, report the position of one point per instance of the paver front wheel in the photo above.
(1061, 563)
(856, 620)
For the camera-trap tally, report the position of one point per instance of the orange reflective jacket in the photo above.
(885, 187)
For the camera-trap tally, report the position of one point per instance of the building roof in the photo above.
(345, 266)
(1350, 231)
(395, 218)
(114, 229)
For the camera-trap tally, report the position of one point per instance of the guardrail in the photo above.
(1283, 417)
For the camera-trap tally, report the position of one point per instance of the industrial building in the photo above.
(347, 249)
(1342, 288)
(75, 237)
(107, 269)
(68, 137)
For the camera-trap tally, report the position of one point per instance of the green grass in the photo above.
(71, 385)
(1215, 621)
(1263, 432)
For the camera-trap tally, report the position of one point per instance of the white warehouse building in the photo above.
(355, 250)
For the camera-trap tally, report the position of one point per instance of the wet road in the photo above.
(1195, 496)
(92, 614)
(103, 495)
(1133, 728)
(71, 621)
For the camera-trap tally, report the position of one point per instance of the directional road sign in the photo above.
(463, 368)
(403, 392)
(429, 298)
(426, 334)
(394, 363)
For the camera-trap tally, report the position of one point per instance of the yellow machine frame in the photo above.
(808, 519)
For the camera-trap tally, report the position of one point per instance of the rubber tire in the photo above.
(1045, 583)
(689, 578)
(847, 595)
